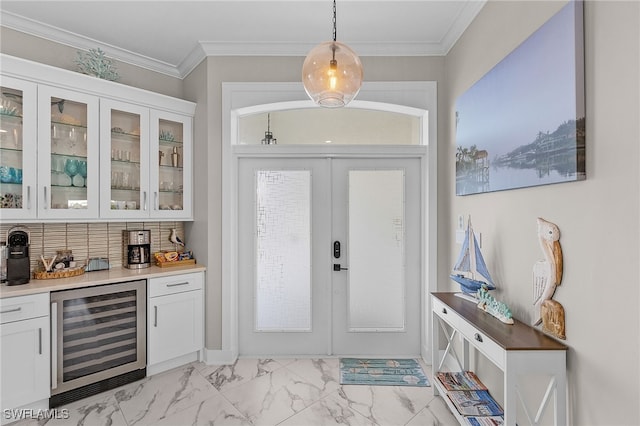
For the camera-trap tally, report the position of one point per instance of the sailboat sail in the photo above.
(470, 270)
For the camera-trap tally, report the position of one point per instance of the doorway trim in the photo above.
(414, 98)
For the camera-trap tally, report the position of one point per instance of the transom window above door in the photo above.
(319, 126)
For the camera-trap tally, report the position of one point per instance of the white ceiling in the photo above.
(174, 36)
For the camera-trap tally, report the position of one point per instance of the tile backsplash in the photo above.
(87, 240)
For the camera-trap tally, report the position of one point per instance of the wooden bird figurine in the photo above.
(547, 274)
(175, 239)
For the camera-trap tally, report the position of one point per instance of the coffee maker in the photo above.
(18, 267)
(136, 249)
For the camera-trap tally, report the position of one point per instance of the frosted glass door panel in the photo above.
(283, 250)
(376, 250)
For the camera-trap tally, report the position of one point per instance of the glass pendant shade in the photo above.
(332, 74)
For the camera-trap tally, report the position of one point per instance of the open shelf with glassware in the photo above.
(66, 154)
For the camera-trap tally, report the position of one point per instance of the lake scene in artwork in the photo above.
(522, 124)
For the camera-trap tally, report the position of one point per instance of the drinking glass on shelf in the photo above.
(71, 168)
(82, 170)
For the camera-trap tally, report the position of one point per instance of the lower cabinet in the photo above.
(24, 351)
(175, 322)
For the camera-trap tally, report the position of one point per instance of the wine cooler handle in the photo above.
(54, 345)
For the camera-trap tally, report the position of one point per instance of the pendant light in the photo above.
(268, 136)
(332, 72)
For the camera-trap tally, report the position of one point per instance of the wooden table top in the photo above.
(511, 337)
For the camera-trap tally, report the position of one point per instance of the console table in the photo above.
(516, 349)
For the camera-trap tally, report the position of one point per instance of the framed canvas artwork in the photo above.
(523, 123)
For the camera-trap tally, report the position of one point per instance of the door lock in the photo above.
(337, 267)
(336, 249)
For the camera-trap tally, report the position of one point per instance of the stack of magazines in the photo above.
(471, 398)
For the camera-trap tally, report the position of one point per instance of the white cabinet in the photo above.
(25, 350)
(146, 158)
(67, 154)
(175, 322)
(78, 148)
(18, 146)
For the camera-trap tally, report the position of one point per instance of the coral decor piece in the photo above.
(490, 305)
(547, 275)
(95, 63)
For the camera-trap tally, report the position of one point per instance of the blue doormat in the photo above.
(382, 372)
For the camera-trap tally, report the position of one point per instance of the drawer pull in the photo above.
(177, 284)
(444, 310)
(478, 337)
(11, 310)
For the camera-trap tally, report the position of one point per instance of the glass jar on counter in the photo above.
(65, 256)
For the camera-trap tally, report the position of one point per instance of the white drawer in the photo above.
(175, 284)
(483, 343)
(24, 307)
(446, 313)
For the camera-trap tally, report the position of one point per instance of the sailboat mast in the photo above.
(472, 249)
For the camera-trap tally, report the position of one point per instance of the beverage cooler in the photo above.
(98, 339)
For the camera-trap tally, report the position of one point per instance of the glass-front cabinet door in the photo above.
(67, 154)
(124, 149)
(171, 171)
(17, 149)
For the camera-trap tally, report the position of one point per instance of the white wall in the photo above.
(598, 218)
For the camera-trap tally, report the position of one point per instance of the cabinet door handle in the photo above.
(477, 337)
(45, 198)
(145, 199)
(444, 310)
(40, 341)
(155, 203)
(155, 316)
(11, 310)
(177, 284)
(28, 197)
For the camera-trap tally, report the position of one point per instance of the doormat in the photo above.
(382, 372)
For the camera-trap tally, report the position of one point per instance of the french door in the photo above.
(329, 256)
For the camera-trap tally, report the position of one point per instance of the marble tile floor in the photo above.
(286, 392)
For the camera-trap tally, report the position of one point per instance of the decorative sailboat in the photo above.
(470, 270)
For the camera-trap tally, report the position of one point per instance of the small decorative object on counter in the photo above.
(52, 269)
(97, 264)
(490, 305)
(175, 239)
(95, 63)
(65, 256)
(173, 258)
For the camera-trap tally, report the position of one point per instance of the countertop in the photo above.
(89, 279)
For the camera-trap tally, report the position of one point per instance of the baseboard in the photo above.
(172, 363)
(219, 357)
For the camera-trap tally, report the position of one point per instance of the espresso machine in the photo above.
(18, 267)
(136, 249)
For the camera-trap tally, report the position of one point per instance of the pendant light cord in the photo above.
(334, 21)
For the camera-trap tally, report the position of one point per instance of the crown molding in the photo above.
(202, 49)
(76, 41)
(461, 23)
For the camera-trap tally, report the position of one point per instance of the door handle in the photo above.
(337, 267)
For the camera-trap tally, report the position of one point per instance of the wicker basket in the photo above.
(62, 273)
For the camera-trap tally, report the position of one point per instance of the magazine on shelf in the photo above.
(475, 403)
(460, 380)
(484, 420)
